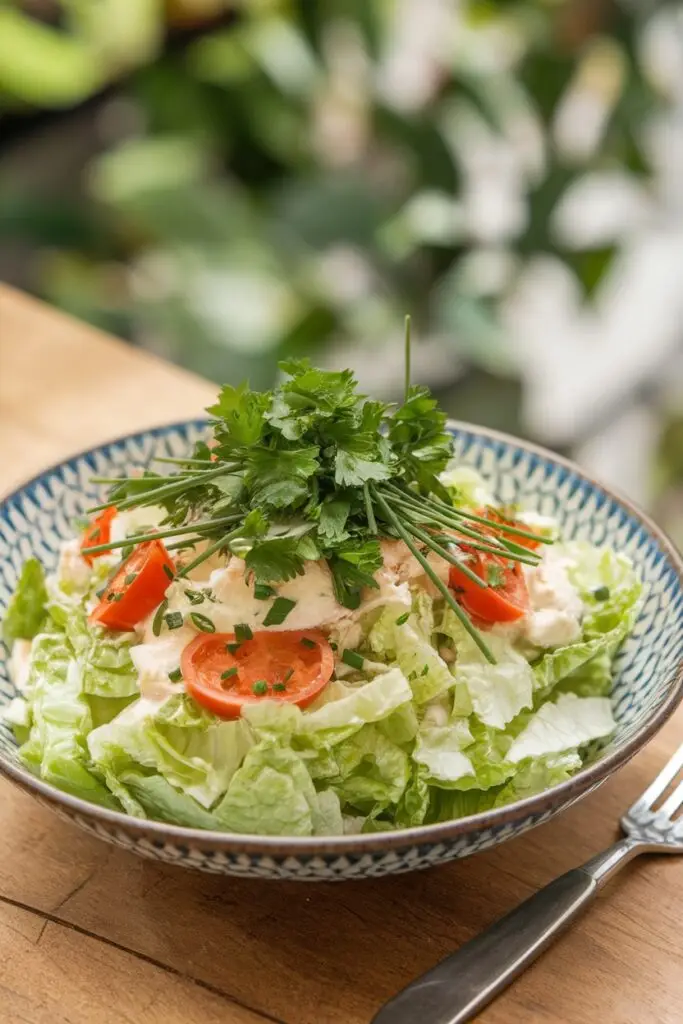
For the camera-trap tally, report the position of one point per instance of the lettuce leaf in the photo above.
(607, 620)
(193, 750)
(61, 720)
(439, 751)
(273, 794)
(411, 647)
(26, 611)
(564, 725)
(104, 658)
(371, 769)
(497, 693)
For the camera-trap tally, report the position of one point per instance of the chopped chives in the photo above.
(402, 619)
(203, 624)
(169, 571)
(601, 593)
(175, 676)
(279, 687)
(353, 659)
(288, 675)
(278, 611)
(173, 620)
(242, 631)
(130, 578)
(159, 617)
(232, 648)
(424, 671)
(305, 642)
(333, 646)
(260, 687)
(229, 673)
(262, 591)
(194, 596)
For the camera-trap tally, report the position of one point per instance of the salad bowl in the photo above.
(648, 681)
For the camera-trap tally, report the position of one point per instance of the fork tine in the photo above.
(672, 803)
(656, 788)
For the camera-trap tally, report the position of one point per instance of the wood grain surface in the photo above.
(90, 934)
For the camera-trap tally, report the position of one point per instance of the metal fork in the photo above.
(462, 984)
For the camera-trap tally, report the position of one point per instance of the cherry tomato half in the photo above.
(136, 588)
(223, 674)
(506, 597)
(98, 532)
(495, 517)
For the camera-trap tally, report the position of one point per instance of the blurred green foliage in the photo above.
(295, 176)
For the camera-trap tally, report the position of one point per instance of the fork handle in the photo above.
(462, 984)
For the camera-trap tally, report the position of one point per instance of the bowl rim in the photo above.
(308, 847)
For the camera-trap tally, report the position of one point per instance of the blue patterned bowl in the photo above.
(648, 684)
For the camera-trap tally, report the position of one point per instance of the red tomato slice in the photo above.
(136, 588)
(505, 601)
(98, 532)
(224, 674)
(496, 517)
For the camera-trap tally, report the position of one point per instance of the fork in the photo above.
(462, 984)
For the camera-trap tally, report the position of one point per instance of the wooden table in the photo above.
(92, 935)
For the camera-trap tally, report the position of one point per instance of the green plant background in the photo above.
(228, 184)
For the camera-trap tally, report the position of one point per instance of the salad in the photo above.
(316, 623)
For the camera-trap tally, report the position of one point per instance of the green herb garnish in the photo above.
(495, 575)
(601, 593)
(130, 578)
(229, 673)
(176, 675)
(159, 617)
(173, 620)
(202, 623)
(305, 642)
(279, 687)
(314, 470)
(169, 571)
(278, 611)
(195, 596)
(260, 687)
(232, 648)
(353, 659)
(242, 632)
(402, 619)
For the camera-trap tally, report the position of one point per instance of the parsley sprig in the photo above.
(314, 470)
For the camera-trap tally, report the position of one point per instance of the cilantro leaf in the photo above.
(280, 478)
(353, 471)
(275, 560)
(333, 516)
(419, 439)
(241, 417)
(353, 565)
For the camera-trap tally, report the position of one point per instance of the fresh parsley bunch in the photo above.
(314, 470)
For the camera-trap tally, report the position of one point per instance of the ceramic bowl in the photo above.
(648, 683)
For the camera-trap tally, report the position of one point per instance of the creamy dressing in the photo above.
(312, 592)
(556, 606)
(156, 657)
